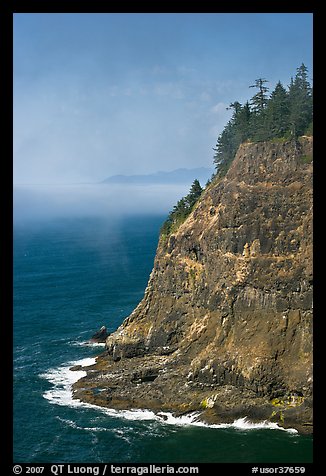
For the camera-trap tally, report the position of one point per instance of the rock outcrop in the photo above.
(225, 326)
(100, 336)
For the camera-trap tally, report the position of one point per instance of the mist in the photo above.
(43, 203)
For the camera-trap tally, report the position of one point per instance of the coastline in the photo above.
(62, 393)
(225, 324)
(230, 408)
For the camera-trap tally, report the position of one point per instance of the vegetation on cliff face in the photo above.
(181, 210)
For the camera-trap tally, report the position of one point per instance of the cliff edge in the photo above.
(225, 325)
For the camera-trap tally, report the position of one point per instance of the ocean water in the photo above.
(71, 276)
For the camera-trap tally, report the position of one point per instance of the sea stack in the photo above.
(225, 325)
(100, 336)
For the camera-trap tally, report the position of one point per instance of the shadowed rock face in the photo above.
(100, 336)
(225, 325)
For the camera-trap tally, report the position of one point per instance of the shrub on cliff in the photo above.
(182, 209)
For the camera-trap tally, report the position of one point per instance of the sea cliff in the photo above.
(225, 325)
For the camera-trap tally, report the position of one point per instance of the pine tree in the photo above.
(194, 193)
(225, 149)
(259, 100)
(283, 114)
(300, 102)
(259, 103)
(277, 112)
(242, 123)
(182, 209)
(236, 131)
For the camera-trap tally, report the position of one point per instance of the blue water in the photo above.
(72, 276)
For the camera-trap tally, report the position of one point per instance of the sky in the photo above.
(134, 93)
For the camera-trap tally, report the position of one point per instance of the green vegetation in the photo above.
(283, 404)
(182, 209)
(305, 159)
(284, 115)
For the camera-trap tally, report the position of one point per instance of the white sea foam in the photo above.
(240, 424)
(63, 378)
(245, 424)
(74, 425)
(87, 343)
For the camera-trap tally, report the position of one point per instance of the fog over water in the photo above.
(46, 202)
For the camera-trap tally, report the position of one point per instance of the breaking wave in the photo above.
(62, 379)
(87, 344)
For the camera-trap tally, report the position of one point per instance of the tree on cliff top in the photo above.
(284, 114)
(301, 102)
(235, 132)
(260, 99)
(277, 114)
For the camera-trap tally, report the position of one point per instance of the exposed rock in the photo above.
(225, 325)
(100, 336)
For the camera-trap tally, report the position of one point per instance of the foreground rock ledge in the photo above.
(225, 325)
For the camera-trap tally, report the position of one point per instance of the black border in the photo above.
(8, 9)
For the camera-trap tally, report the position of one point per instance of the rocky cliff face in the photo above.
(225, 326)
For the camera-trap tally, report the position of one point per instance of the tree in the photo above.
(182, 209)
(236, 131)
(242, 123)
(259, 100)
(259, 103)
(283, 114)
(225, 149)
(194, 193)
(277, 112)
(300, 102)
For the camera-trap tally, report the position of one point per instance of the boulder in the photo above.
(100, 336)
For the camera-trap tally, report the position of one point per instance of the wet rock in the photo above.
(100, 336)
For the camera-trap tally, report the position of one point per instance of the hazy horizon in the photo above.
(97, 95)
(40, 203)
(209, 170)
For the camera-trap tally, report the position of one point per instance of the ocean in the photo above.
(71, 276)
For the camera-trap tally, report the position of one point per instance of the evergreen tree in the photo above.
(194, 193)
(242, 123)
(259, 101)
(236, 131)
(277, 113)
(182, 209)
(300, 102)
(283, 114)
(225, 149)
